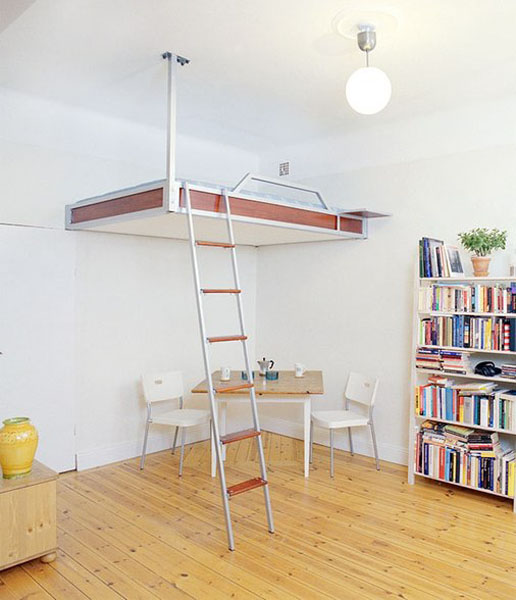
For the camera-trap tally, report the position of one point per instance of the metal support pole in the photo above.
(171, 192)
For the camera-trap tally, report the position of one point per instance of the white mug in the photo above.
(299, 370)
(225, 373)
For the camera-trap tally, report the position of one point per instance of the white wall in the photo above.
(136, 313)
(126, 303)
(37, 368)
(343, 306)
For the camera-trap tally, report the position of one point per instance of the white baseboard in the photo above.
(158, 440)
(388, 452)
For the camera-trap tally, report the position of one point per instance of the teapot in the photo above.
(265, 365)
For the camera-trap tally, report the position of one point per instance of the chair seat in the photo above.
(337, 419)
(182, 417)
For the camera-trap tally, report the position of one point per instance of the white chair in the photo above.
(359, 389)
(169, 386)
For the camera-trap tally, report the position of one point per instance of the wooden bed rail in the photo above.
(212, 202)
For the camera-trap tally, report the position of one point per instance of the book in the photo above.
(468, 404)
(499, 298)
(431, 261)
(467, 456)
(461, 331)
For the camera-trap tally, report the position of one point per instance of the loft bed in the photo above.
(157, 209)
(259, 218)
(165, 209)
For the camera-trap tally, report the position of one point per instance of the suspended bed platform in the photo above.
(259, 219)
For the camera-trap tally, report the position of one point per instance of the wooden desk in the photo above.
(28, 517)
(288, 389)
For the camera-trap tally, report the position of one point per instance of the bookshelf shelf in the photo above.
(470, 350)
(447, 325)
(438, 420)
(468, 487)
(465, 375)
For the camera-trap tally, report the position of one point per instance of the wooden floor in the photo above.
(367, 534)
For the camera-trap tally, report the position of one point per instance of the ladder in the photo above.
(255, 432)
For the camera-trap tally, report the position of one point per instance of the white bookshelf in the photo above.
(419, 376)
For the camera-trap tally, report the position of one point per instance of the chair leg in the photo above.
(175, 441)
(373, 435)
(144, 449)
(182, 451)
(350, 441)
(332, 473)
(311, 441)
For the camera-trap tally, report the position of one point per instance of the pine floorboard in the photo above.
(142, 535)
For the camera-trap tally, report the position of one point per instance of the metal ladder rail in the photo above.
(252, 391)
(211, 391)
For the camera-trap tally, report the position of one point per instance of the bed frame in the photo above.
(158, 208)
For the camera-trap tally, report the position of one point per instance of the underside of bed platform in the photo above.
(259, 219)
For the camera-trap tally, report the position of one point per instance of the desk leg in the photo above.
(307, 406)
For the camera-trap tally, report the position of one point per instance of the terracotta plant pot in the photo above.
(480, 265)
(18, 443)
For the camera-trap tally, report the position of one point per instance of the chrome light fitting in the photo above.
(368, 89)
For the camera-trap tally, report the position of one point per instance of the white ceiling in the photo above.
(263, 73)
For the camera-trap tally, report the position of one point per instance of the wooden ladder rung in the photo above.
(237, 436)
(245, 486)
(215, 244)
(234, 388)
(220, 291)
(227, 338)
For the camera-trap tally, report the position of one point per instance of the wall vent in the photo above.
(284, 169)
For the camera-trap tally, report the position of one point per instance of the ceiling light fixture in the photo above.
(368, 89)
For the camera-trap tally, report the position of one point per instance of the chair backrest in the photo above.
(162, 386)
(362, 389)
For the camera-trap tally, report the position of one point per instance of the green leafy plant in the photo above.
(482, 241)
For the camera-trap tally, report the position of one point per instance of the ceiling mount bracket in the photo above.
(180, 59)
(366, 38)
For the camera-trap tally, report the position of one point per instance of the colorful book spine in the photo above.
(453, 464)
(468, 298)
(462, 331)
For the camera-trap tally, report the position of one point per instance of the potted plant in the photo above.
(482, 242)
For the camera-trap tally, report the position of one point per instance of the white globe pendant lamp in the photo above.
(368, 89)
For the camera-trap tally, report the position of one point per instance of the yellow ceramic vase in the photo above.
(18, 443)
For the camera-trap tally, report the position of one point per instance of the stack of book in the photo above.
(450, 361)
(476, 298)
(480, 404)
(428, 358)
(434, 259)
(440, 380)
(455, 362)
(508, 371)
(460, 331)
(465, 456)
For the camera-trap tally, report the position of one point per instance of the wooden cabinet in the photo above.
(28, 517)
